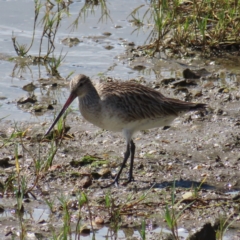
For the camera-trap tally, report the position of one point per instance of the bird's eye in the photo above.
(81, 84)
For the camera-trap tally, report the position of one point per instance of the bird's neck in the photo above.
(90, 102)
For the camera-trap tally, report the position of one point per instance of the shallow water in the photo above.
(88, 57)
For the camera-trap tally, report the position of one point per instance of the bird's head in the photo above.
(80, 85)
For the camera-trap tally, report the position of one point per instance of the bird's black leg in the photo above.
(132, 149)
(126, 156)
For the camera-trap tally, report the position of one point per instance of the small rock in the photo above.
(85, 182)
(188, 74)
(218, 111)
(3, 135)
(131, 44)
(1, 208)
(4, 162)
(106, 34)
(50, 107)
(184, 82)
(85, 231)
(29, 87)
(99, 220)
(138, 67)
(75, 175)
(71, 41)
(75, 163)
(202, 72)
(167, 81)
(196, 93)
(108, 47)
(187, 195)
(227, 98)
(39, 235)
(181, 89)
(207, 232)
(24, 100)
(38, 108)
(223, 90)
(104, 172)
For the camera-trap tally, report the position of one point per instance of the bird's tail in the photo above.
(197, 106)
(178, 106)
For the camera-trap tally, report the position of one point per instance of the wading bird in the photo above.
(125, 107)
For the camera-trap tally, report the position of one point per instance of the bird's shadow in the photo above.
(184, 184)
(178, 184)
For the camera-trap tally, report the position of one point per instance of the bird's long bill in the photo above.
(66, 105)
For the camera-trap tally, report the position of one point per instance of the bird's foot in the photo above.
(115, 182)
(130, 179)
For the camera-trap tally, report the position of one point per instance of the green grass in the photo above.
(172, 214)
(211, 27)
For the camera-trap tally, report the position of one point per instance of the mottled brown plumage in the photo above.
(126, 107)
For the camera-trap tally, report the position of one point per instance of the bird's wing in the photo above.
(136, 101)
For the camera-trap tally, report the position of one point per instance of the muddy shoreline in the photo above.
(199, 153)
